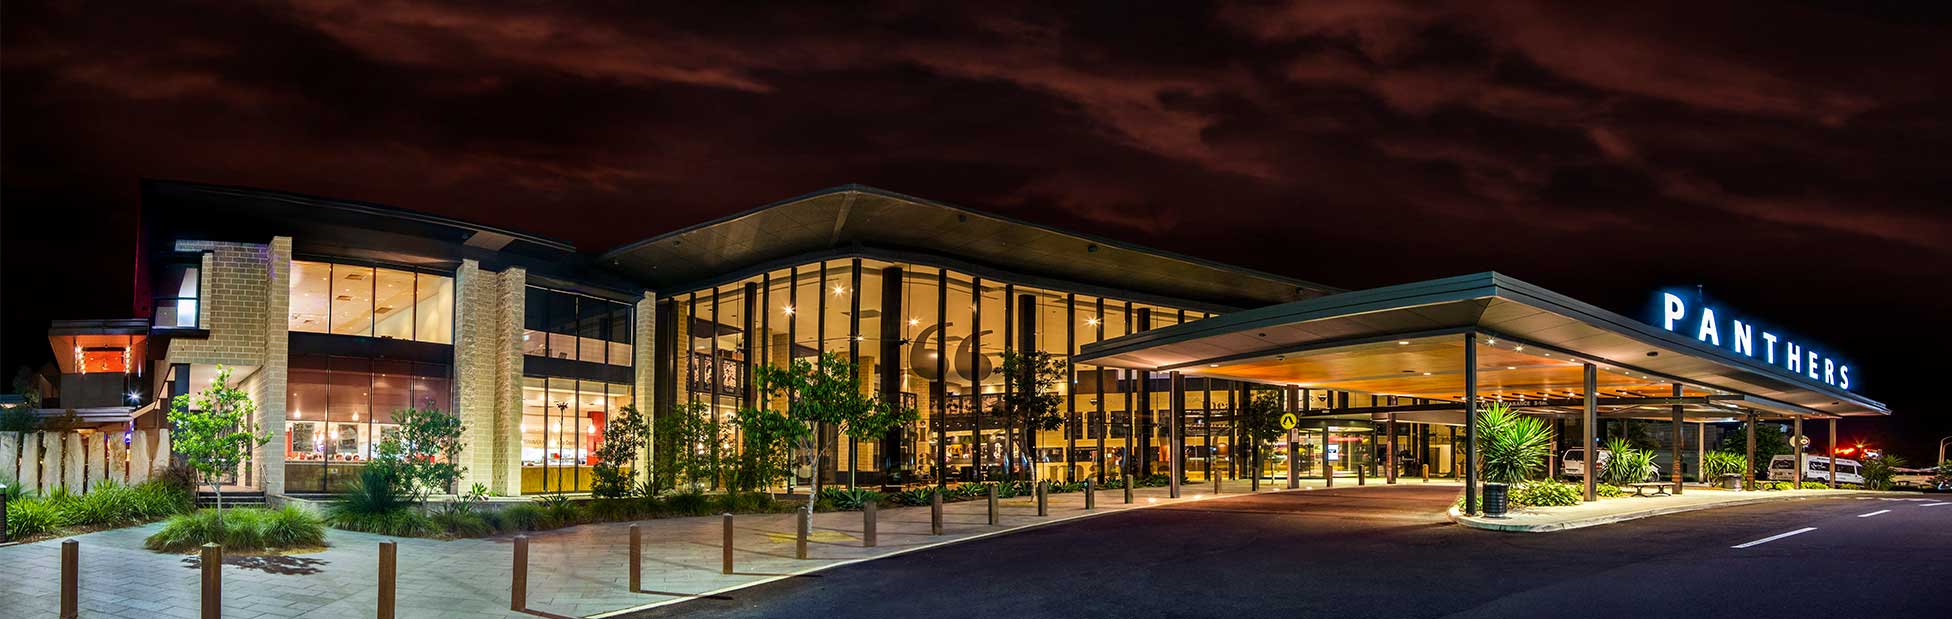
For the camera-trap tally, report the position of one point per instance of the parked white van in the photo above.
(1816, 468)
(1572, 464)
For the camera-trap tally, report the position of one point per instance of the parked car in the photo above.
(1816, 468)
(1572, 464)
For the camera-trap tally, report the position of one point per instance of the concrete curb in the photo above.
(1480, 522)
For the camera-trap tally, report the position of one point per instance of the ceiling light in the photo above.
(1511, 367)
(914, 321)
(839, 290)
(1426, 373)
(1213, 365)
(1403, 343)
(788, 309)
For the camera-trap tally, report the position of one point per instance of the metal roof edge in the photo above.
(352, 206)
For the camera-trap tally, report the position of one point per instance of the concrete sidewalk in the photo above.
(574, 572)
(1621, 509)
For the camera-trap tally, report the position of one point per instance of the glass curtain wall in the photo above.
(949, 331)
(368, 301)
(572, 339)
(339, 408)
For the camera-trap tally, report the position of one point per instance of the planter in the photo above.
(1730, 482)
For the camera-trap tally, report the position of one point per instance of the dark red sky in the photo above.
(1794, 158)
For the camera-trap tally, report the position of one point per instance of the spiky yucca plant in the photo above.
(1512, 447)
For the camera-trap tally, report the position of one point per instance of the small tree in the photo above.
(827, 391)
(1260, 423)
(766, 448)
(1770, 441)
(425, 451)
(209, 431)
(682, 446)
(1512, 447)
(1030, 397)
(623, 438)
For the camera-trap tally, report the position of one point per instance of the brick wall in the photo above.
(243, 299)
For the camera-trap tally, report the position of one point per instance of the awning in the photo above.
(1408, 341)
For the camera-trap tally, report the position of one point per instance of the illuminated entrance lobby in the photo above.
(1437, 352)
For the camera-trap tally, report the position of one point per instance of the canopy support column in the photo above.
(1796, 452)
(1294, 439)
(1679, 438)
(1748, 462)
(1833, 452)
(1390, 471)
(1470, 424)
(1176, 459)
(1589, 424)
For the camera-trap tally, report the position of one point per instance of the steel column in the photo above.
(1389, 468)
(1175, 458)
(1748, 463)
(1678, 440)
(1833, 452)
(1796, 452)
(1294, 439)
(1589, 422)
(1471, 424)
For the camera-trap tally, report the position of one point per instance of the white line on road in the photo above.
(1937, 504)
(1881, 511)
(1775, 537)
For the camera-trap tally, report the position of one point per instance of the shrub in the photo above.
(558, 511)
(1815, 485)
(239, 530)
(611, 509)
(748, 503)
(1606, 490)
(1154, 481)
(460, 523)
(917, 496)
(1850, 486)
(688, 503)
(525, 517)
(1547, 493)
(1879, 472)
(1718, 463)
(30, 517)
(848, 499)
(398, 523)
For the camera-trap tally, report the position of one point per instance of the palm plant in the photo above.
(1625, 464)
(1715, 464)
(1513, 447)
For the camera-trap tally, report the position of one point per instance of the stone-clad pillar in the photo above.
(643, 358)
(270, 394)
(488, 374)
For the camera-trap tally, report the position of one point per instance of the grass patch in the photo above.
(242, 530)
(107, 505)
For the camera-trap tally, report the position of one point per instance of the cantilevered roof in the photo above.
(859, 220)
(1408, 340)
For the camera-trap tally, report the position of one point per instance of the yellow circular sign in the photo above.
(1288, 421)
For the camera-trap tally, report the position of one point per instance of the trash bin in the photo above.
(1495, 496)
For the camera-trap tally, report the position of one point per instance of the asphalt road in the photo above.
(1389, 552)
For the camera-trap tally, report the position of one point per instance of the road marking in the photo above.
(1881, 511)
(1936, 504)
(1775, 537)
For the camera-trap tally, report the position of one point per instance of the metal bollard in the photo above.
(389, 561)
(1043, 499)
(1328, 477)
(1128, 489)
(1362, 475)
(993, 504)
(805, 516)
(1216, 484)
(867, 524)
(518, 584)
(935, 512)
(213, 581)
(636, 559)
(725, 563)
(1426, 473)
(1090, 496)
(70, 579)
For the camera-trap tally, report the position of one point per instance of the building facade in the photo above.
(336, 315)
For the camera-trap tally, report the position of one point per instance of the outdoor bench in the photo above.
(1660, 488)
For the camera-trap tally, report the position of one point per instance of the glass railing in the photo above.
(175, 313)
